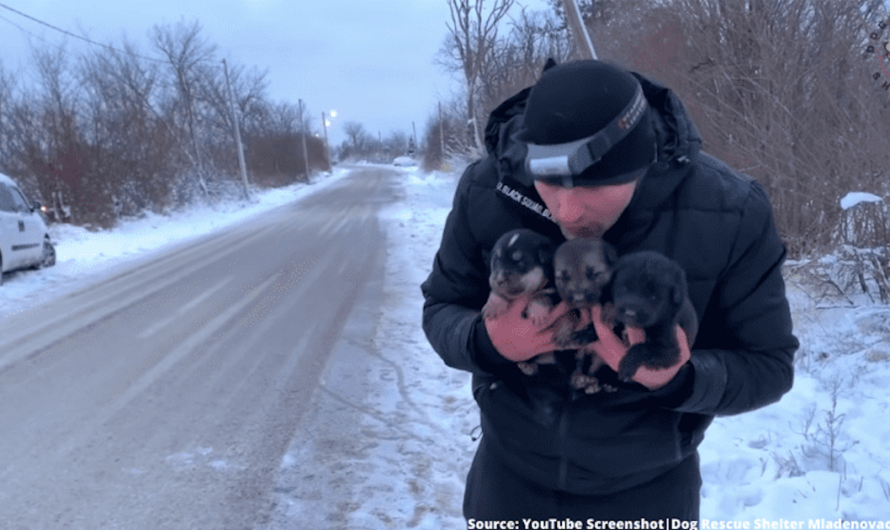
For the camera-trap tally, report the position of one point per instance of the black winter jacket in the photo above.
(716, 223)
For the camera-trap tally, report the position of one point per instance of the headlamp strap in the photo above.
(614, 132)
(572, 158)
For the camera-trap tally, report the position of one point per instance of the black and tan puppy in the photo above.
(648, 290)
(522, 264)
(582, 268)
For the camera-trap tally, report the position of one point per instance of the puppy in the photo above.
(582, 268)
(648, 290)
(522, 264)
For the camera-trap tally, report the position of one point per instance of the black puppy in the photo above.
(522, 264)
(648, 291)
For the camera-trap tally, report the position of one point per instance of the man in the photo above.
(593, 150)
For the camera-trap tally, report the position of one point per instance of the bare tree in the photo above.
(357, 136)
(187, 53)
(777, 89)
(248, 89)
(395, 144)
(473, 34)
(55, 151)
(518, 58)
(112, 133)
(510, 61)
(133, 151)
(7, 89)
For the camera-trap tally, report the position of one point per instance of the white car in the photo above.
(404, 161)
(24, 238)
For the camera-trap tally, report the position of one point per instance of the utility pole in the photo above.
(237, 133)
(327, 147)
(303, 134)
(583, 45)
(441, 133)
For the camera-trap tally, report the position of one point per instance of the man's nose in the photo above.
(569, 209)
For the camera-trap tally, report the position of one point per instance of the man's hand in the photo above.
(612, 349)
(519, 339)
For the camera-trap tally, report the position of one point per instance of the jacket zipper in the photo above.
(563, 473)
(563, 431)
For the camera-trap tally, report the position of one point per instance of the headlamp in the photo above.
(561, 162)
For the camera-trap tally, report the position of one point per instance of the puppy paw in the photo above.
(528, 368)
(545, 358)
(537, 312)
(586, 383)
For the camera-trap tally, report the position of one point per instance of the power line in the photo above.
(47, 24)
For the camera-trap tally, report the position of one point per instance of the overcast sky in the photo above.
(371, 60)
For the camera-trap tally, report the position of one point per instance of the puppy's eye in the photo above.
(517, 255)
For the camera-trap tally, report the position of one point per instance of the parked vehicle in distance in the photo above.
(24, 237)
(404, 161)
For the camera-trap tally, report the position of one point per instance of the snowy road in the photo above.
(167, 395)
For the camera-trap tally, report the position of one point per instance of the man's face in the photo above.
(586, 211)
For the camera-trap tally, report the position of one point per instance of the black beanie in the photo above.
(575, 100)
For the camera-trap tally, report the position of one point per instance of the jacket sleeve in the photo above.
(751, 310)
(456, 290)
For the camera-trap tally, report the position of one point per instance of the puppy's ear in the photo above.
(676, 295)
(545, 255)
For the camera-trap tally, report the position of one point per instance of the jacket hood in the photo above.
(503, 124)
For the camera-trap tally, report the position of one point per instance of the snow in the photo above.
(770, 468)
(854, 198)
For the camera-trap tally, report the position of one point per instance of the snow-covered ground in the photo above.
(817, 457)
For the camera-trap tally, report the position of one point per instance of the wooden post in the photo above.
(583, 45)
(303, 135)
(237, 134)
